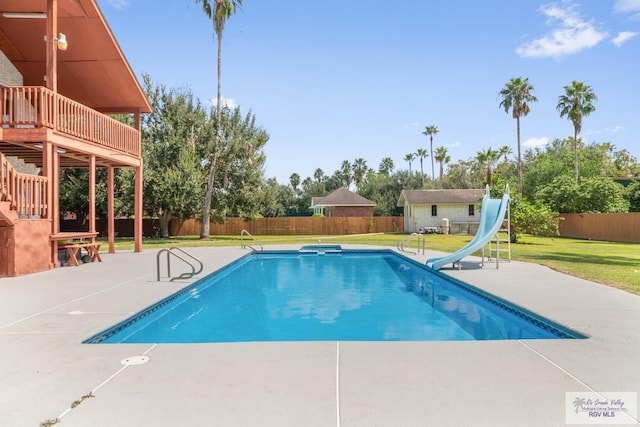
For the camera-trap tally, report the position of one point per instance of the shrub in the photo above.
(537, 219)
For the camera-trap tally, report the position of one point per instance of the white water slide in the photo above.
(492, 215)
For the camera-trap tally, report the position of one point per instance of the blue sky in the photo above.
(336, 80)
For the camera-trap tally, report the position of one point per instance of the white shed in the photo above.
(427, 208)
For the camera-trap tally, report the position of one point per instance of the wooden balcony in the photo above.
(36, 107)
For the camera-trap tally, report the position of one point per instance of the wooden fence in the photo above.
(613, 227)
(285, 226)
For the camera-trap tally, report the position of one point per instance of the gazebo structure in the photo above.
(61, 73)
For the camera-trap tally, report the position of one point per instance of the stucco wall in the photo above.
(9, 75)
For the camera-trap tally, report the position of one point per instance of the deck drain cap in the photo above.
(135, 360)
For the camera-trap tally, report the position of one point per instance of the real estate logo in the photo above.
(601, 408)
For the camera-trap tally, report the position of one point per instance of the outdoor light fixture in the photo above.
(25, 15)
(61, 42)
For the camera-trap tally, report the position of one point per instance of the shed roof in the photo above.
(431, 197)
(92, 71)
(341, 197)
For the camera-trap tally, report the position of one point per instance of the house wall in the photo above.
(9, 75)
(419, 216)
(24, 243)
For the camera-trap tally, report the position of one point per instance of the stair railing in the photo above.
(421, 243)
(244, 245)
(182, 255)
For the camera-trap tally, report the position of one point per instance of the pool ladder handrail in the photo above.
(187, 259)
(421, 239)
(244, 245)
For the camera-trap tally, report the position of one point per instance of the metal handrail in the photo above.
(402, 242)
(243, 245)
(186, 260)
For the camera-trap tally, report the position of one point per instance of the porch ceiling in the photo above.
(92, 71)
(70, 158)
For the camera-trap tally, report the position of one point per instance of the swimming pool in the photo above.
(329, 294)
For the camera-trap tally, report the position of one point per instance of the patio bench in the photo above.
(74, 242)
(92, 248)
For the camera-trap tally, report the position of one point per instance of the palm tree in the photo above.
(359, 171)
(409, 158)
(294, 180)
(386, 166)
(430, 131)
(345, 173)
(576, 103)
(516, 96)
(505, 150)
(422, 154)
(488, 159)
(442, 157)
(218, 11)
(318, 175)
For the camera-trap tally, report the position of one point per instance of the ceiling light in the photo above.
(25, 15)
(62, 42)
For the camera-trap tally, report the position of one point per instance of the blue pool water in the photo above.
(333, 295)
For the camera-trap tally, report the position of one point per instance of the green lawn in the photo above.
(614, 264)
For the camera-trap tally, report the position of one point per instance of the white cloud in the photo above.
(229, 103)
(570, 34)
(455, 144)
(623, 37)
(412, 125)
(605, 131)
(536, 142)
(590, 132)
(627, 6)
(118, 4)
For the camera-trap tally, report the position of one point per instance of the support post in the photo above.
(54, 203)
(51, 48)
(111, 229)
(92, 194)
(137, 224)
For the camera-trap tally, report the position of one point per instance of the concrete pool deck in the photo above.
(44, 367)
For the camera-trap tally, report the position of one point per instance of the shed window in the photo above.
(472, 210)
(434, 210)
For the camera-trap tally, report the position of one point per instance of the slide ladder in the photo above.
(492, 215)
(501, 241)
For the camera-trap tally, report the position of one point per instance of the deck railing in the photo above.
(26, 194)
(36, 106)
